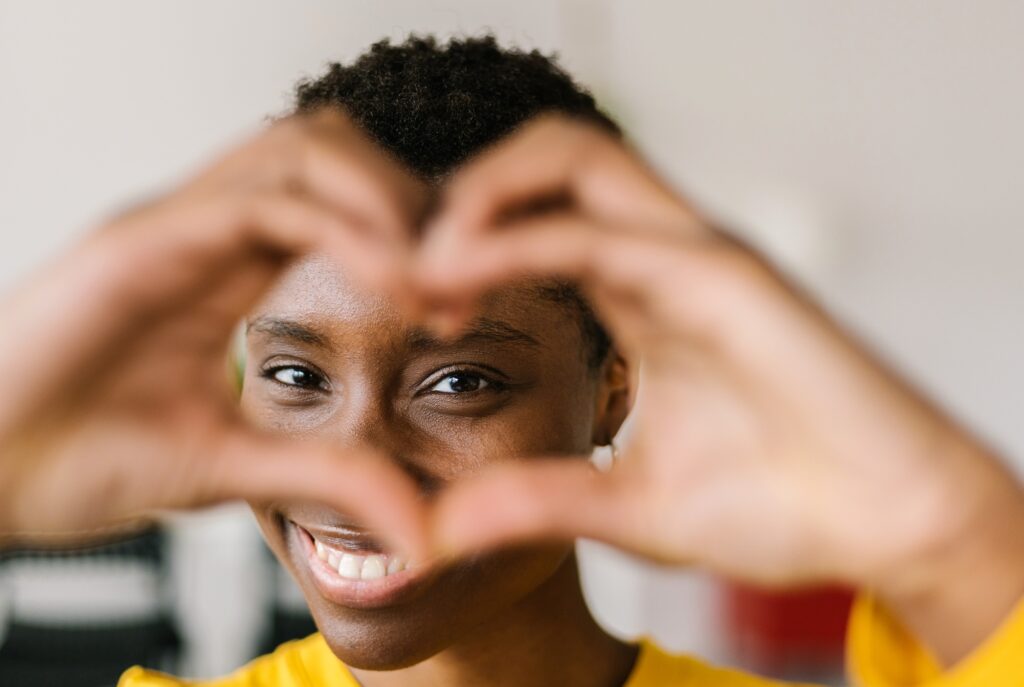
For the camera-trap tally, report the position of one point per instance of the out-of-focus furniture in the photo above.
(78, 615)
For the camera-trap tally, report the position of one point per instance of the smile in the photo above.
(353, 566)
(349, 569)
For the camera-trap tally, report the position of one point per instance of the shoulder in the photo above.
(302, 663)
(657, 667)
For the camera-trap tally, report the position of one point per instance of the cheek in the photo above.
(260, 410)
(529, 427)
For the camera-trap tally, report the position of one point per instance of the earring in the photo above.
(603, 459)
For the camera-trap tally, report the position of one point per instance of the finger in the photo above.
(371, 262)
(647, 288)
(160, 262)
(558, 498)
(568, 246)
(551, 157)
(175, 247)
(326, 156)
(356, 481)
(341, 165)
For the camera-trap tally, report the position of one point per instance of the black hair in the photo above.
(434, 106)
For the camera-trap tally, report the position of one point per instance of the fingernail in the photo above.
(446, 323)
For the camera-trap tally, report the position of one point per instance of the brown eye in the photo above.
(297, 376)
(460, 383)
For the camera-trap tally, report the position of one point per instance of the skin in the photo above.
(769, 444)
(133, 410)
(371, 376)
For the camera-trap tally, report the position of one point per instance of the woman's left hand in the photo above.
(768, 444)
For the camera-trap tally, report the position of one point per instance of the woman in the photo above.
(767, 445)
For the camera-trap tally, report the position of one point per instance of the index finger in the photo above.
(552, 157)
(342, 164)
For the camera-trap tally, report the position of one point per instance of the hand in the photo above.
(117, 396)
(767, 444)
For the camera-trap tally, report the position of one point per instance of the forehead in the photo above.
(318, 286)
(316, 291)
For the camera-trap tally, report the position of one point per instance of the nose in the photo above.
(367, 417)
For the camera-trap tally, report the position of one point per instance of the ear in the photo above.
(616, 389)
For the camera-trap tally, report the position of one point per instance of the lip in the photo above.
(343, 537)
(386, 591)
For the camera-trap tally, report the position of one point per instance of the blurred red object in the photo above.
(778, 633)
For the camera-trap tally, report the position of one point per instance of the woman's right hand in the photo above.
(768, 444)
(117, 397)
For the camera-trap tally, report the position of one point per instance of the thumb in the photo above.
(357, 481)
(557, 498)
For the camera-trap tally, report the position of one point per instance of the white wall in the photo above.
(873, 146)
(890, 132)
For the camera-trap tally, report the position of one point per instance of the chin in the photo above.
(464, 603)
(406, 616)
(379, 649)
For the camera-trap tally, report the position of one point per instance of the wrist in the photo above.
(955, 590)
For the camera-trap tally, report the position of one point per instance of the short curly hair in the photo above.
(435, 106)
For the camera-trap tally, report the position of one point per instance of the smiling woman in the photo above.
(532, 374)
(423, 485)
(529, 371)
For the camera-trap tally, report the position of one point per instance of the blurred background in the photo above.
(873, 148)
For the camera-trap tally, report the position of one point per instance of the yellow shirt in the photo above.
(881, 654)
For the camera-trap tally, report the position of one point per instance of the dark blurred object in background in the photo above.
(77, 617)
(78, 614)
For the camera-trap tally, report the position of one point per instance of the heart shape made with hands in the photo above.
(729, 454)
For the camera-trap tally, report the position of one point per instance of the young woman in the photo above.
(407, 350)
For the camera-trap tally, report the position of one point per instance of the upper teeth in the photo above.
(355, 567)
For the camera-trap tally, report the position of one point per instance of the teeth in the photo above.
(352, 566)
(396, 564)
(373, 568)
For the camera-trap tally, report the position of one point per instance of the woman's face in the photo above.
(328, 360)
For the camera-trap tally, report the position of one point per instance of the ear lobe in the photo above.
(616, 392)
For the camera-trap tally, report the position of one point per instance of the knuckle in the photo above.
(330, 115)
(737, 261)
(288, 128)
(566, 129)
(291, 159)
(328, 123)
(274, 158)
(596, 254)
(552, 121)
(247, 209)
(596, 144)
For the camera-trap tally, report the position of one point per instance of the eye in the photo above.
(460, 383)
(293, 375)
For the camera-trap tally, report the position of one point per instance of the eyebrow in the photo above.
(288, 329)
(480, 330)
